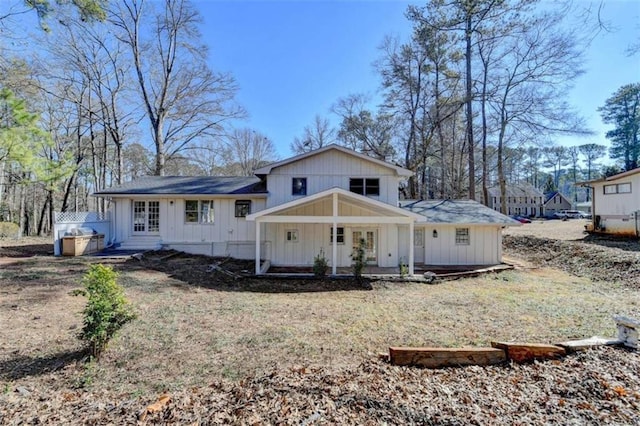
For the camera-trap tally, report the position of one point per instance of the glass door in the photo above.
(370, 237)
(146, 217)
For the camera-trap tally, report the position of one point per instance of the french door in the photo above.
(146, 217)
(370, 237)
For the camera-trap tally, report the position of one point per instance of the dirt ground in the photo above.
(231, 350)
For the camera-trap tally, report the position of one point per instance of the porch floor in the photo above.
(443, 271)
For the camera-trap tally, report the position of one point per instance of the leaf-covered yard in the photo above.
(226, 352)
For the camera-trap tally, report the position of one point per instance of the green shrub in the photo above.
(404, 268)
(107, 309)
(320, 265)
(359, 260)
(8, 230)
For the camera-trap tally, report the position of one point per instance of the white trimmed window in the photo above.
(299, 186)
(339, 233)
(365, 186)
(243, 208)
(619, 188)
(462, 236)
(199, 211)
(291, 235)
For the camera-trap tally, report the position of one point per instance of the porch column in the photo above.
(334, 243)
(257, 247)
(411, 247)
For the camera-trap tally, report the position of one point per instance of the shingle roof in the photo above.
(457, 211)
(187, 185)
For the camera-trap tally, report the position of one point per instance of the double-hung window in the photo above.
(365, 186)
(199, 211)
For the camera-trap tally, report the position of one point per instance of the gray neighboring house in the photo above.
(524, 199)
(555, 202)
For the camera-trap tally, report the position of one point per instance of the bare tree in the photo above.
(184, 101)
(246, 150)
(314, 136)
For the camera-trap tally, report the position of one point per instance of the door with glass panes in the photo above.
(370, 237)
(146, 217)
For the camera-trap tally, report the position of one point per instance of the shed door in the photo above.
(146, 217)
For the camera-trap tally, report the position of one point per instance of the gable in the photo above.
(332, 162)
(333, 159)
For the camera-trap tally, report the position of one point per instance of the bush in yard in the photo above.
(320, 265)
(107, 309)
(359, 261)
(8, 230)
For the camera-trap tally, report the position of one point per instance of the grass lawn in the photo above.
(187, 335)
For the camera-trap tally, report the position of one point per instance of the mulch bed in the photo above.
(196, 270)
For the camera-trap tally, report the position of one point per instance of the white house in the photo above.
(615, 203)
(294, 208)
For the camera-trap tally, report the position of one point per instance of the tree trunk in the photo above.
(469, 115)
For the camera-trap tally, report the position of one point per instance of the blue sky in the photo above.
(294, 59)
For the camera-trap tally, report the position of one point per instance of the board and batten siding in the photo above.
(327, 170)
(484, 247)
(314, 237)
(178, 234)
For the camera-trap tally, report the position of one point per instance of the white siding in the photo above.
(327, 170)
(617, 211)
(313, 237)
(484, 246)
(195, 238)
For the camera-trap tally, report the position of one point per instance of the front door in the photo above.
(146, 217)
(370, 237)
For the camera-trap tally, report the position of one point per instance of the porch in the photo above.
(333, 222)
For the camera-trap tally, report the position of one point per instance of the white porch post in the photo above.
(334, 245)
(257, 247)
(411, 247)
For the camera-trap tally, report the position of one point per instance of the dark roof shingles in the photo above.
(457, 211)
(187, 185)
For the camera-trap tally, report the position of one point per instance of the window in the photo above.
(462, 236)
(365, 186)
(620, 188)
(243, 208)
(339, 237)
(292, 235)
(299, 186)
(198, 211)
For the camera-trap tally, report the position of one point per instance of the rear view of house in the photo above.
(328, 200)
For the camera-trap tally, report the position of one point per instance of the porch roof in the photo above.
(383, 212)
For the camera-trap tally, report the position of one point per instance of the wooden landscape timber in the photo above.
(582, 345)
(445, 357)
(527, 352)
(510, 351)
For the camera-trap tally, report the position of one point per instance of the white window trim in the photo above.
(293, 233)
(199, 213)
(468, 237)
